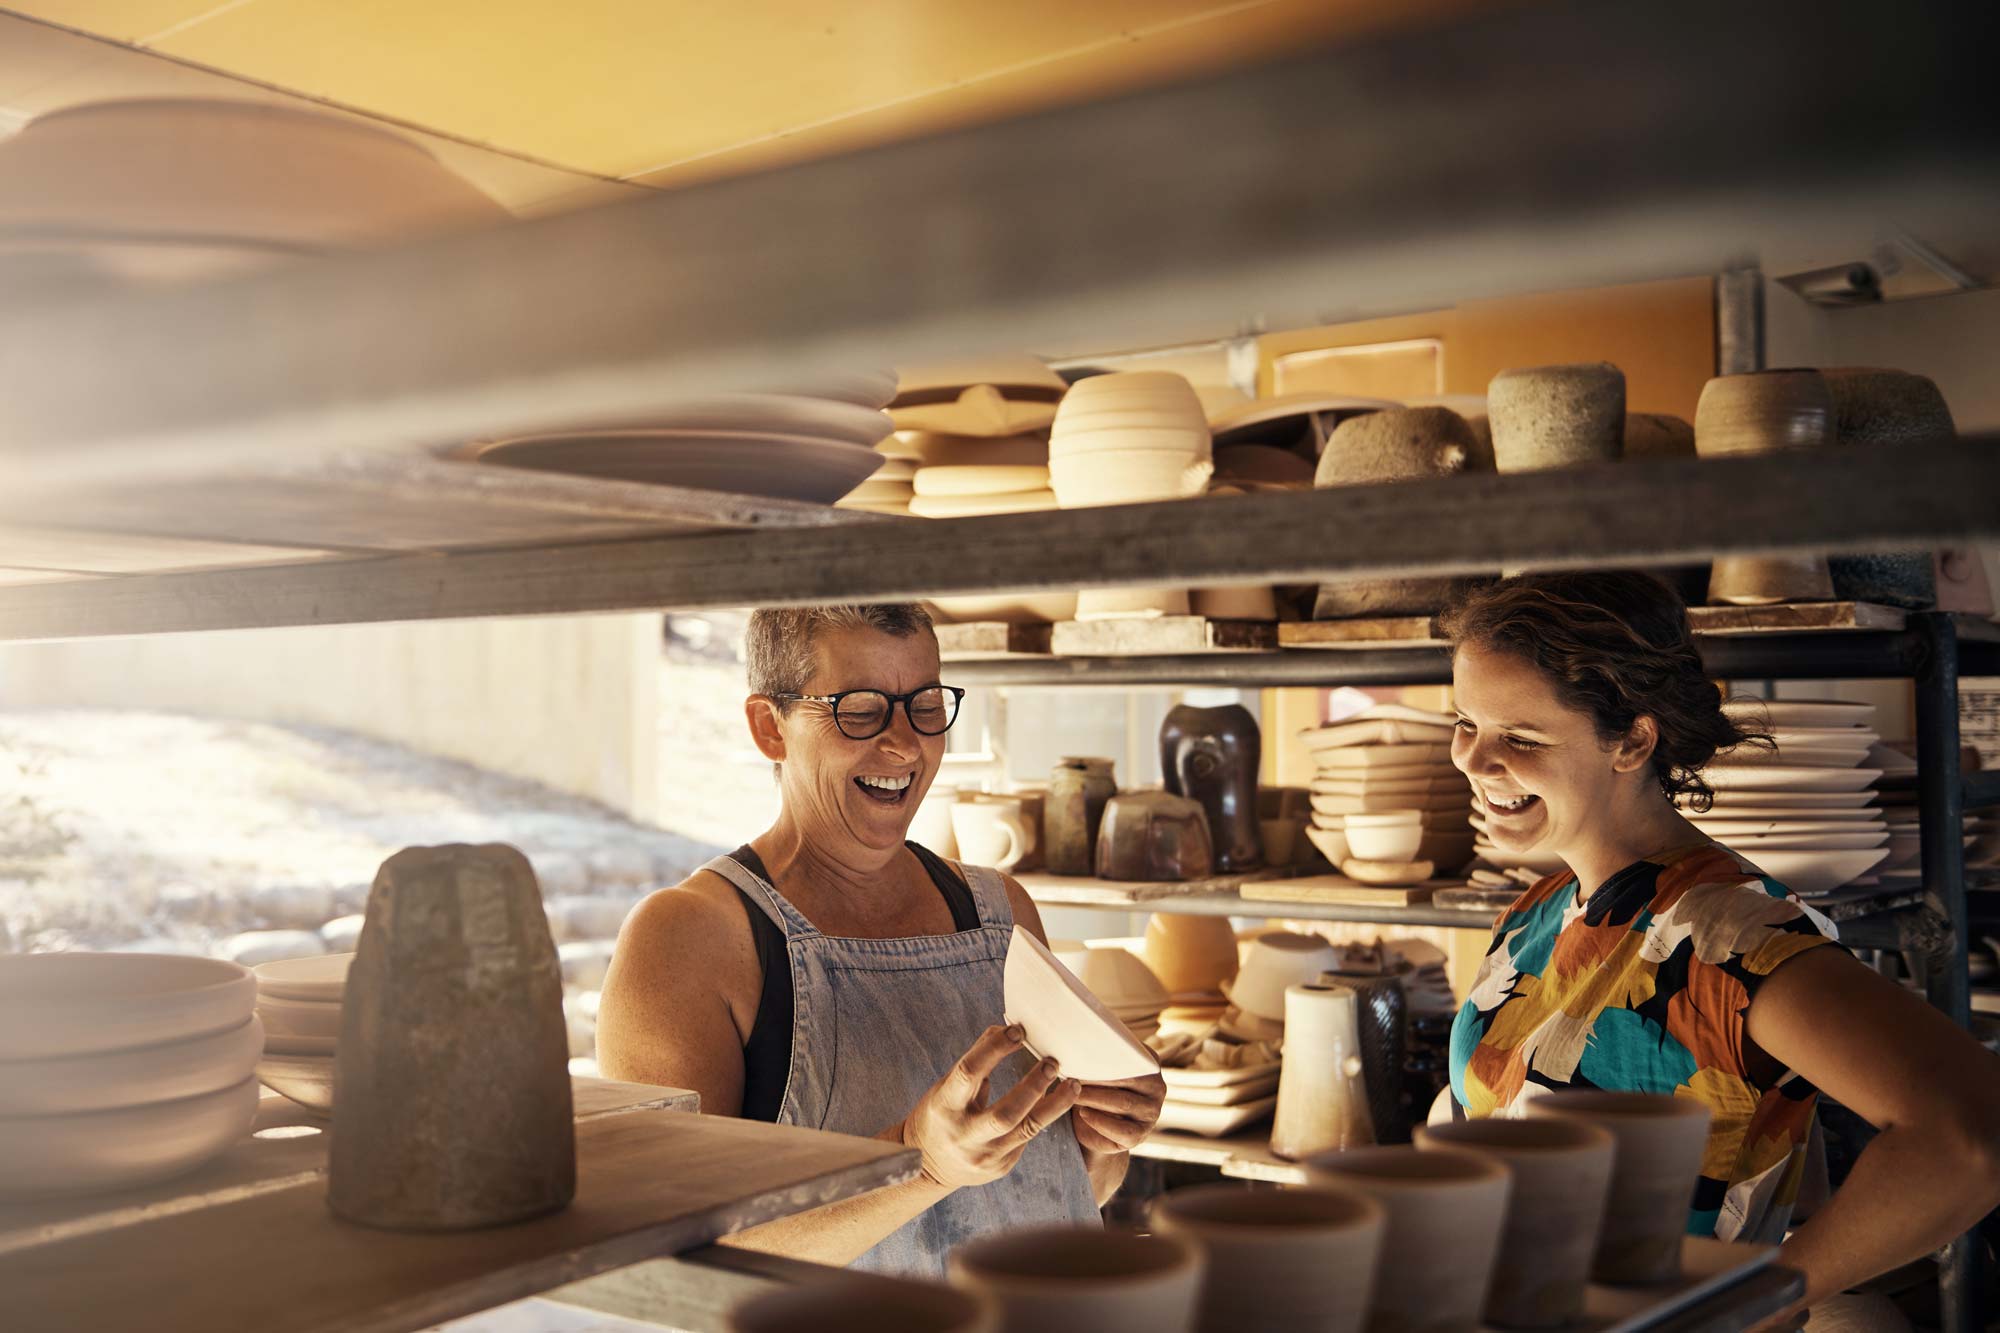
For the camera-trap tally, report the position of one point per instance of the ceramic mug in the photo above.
(1074, 1279)
(1443, 1214)
(1562, 1179)
(864, 1303)
(1660, 1145)
(1279, 1261)
(932, 824)
(990, 833)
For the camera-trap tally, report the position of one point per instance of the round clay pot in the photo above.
(858, 1303)
(1556, 416)
(1561, 1171)
(1763, 412)
(1660, 1142)
(1887, 408)
(1191, 954)
(1066, 1279)
(1279, 1261)
(1443, 1214)
(1401, 444)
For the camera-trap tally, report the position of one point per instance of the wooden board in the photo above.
(1342, 890)
(648, 1183)
(268, 1159)
(992, 638)
(1381, 632)
(1075, 890)
(79, 551)
(1161, 637)
(1795, 617)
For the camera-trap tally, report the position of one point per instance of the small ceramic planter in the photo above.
(1556, 416)
(1078, 791)
(1084, 1280)
(1279, 1261)
(1561, 1179)
(1443, 1215)
(1660, 1143)
(858, 1303)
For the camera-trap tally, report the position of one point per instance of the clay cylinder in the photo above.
(1322, 1096)
(1763, 412)
(453, 1061)
(1556, 416)
(1210, 756)
(1078, 789)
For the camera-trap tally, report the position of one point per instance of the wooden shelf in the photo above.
(1201, 898)
(1423, 632)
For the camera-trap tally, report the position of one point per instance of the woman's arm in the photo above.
(1931, 1090)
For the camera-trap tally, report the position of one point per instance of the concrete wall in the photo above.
(571, 701)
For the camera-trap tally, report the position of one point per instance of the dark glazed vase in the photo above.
(1210, 756)
(1078, 789)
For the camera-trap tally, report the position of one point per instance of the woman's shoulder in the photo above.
(1728, 908)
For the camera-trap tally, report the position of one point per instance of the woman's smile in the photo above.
(890, 789)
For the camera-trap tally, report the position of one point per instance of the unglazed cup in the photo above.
(860, 1303)
(1660, 1145)
(1562, 1177)
(1074, 1279)
(1443, 1213)
(1279, 1261)
(1556, 416)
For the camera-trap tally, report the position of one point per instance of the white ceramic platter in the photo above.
(1436, 770)
(1726, 801)
(996, 479)
(1764, 828)
(1753, 846)
(1804, 756)
(1789, 814)
(289, 1020)
(1785, 777)
(1063, 1020)
(975, 506)
(772, 466)
(136, 1145)
(1229, 1094)
(1214, 1121)
(1802, 712)
(319, 978)
(1811, 872)
(1453, 784)
(115, 1079)
(762, 414)
(54, 1005)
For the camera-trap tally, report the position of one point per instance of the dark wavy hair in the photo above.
(1618, 646)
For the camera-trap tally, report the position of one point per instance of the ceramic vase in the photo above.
(1383, 1011)
(1322, 1094)
(1887, 409)
(1660, 1142)
(1211, 756)
(867, 1303)
(453, 1060)
(1442, 1213)
(1766, 411)
(1561, 1173)
(1065, 1279)
(1556, 416)
(1078, 791)
(1400, 444)
(1153, 836)
(1279, 1261)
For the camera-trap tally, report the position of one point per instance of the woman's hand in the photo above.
(966, 1142)
(1117, 1117)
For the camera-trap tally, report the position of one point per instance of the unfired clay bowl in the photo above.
(1279, 1261)
(1762, 412)
(1556, 416)
(1561, 1173)
(122, 1149)
(107, 1081)
(54, 1005)
(1084, 1279)
(1274, 962)
(1660, 1143)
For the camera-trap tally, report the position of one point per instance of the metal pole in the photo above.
(1940, 803)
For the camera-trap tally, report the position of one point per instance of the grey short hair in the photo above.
(778, 643)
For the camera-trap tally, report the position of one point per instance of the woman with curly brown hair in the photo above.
(1661, 962)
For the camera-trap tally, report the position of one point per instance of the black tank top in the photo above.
(767, 1056)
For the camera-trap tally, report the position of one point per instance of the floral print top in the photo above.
(1644, 987)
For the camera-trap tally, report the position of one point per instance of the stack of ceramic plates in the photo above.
(1393, 761)
(1296, 422)
(1806, 813)
(120, 1069)
(1124, 984)
(811, 442)
(987, 398)
(1129, 438)
(299, 1000)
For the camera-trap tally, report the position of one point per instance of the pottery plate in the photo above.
(1063, 1020)
(1802, 712)
(1179, 1079)
(768, 465)
(1214, 1121)
(1232, 1094)
(1781, 777)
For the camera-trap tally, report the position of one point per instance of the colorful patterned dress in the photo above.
(1644, 988)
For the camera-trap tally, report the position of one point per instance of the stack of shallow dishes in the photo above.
(1806, 813)
(1389, 767)
(987, 398)
(1129, 438)
(121, 1069)
(299, 1000)
(1127, 987)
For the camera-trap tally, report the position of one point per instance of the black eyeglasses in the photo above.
(864, 714)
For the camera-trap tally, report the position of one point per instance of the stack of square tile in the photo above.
(1390, 758)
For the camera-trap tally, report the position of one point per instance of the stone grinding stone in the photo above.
(1399, 444)
(454, 1109)
(1887, 408)
(1556, 416)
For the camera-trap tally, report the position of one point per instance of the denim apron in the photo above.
(875, 1023)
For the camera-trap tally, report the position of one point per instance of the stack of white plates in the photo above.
(814, 444)
(299, 1000)
(121, 1069)
(1390, 759)
(1805, 814)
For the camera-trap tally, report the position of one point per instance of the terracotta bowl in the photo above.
(69, 1004)
(1763, 412)
(1190, 953)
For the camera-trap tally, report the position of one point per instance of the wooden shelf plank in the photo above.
(1200, 901)
(1083, 890)
(992, 638)
(1423, 631)
(649, 1183)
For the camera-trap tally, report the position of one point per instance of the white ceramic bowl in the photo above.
(1132, 386)
(288, 1020)
(135, 1145)
(116, 1079)
(305, 1079)
(1274, 962)
(54, 1005)
(1126, 477)
(323, 977)
(1810, 872)
(1383, 842)
(1189, 444)
(1385, 818)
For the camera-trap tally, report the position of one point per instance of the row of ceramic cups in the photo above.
(1501, 1221)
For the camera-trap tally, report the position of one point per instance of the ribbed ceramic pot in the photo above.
(1766, 411)
(1279, 1261)
(1556, 416)
(1887, 409)
(1399, 444)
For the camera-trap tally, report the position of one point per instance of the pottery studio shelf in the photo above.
(1204, 898)
(248, 1242)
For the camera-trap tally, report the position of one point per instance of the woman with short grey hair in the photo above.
(833, 974)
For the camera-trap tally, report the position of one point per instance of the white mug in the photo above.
(991, 833)
(931, 825)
